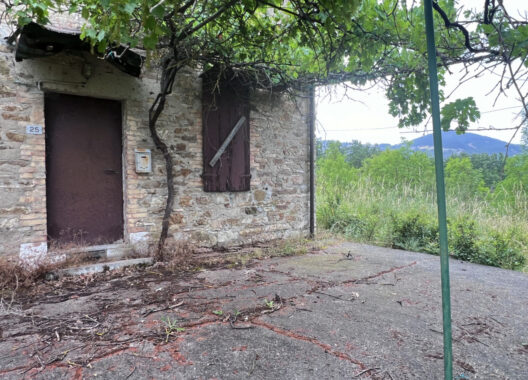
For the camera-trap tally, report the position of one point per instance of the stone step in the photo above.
(106, 266)
(106, 251)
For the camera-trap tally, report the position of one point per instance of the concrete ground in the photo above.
(352, 311)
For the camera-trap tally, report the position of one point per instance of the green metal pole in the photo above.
(440, 190)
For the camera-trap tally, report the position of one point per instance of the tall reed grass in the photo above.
(481, 228)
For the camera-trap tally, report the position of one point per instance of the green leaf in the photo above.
(150, 23)
(158, 11)
(100, 35)
(463, 111)
(150, 41)
(129, 7)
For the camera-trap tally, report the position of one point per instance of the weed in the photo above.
(14, 272)
(218, 312)
(270, 304)
(284, 247)
(176, 255)
(7, 306)
(171, 327)
(291, 247)
(16, 275)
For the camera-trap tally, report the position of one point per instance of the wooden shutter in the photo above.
(224, 101)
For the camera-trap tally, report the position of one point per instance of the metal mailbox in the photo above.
(143, 161)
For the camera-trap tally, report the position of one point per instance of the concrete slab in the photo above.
(353, 311)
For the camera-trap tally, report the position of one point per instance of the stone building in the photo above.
(78, 165)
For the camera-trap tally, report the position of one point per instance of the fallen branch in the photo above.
(365, 371)
(356, 296)
(150, 311)
(240, 327)
(130, 374)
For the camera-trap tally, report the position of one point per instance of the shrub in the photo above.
(514, 187)
(415, 232)
(463, 180)
(401, 167)
(357, 227)
(504, 250)
(491, 166)
(463, 240)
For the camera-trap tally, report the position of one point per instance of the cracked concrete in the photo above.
(353, 311)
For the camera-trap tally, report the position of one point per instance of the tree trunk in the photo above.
(168, 74)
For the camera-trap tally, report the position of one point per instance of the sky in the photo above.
(363, 115)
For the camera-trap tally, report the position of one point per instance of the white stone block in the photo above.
(139, 242)
(31, 254)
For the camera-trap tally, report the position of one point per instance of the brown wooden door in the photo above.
(83, 164)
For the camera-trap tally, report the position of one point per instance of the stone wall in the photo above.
(276, 207)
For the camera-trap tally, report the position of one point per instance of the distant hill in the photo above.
(469, 143)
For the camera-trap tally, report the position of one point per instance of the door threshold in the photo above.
(105, 266)
(114, 251)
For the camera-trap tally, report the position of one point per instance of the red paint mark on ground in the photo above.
(228, 285)
(379, 274)
(398, 336)
(112, 352)
(326, 347)
(151, 322)
(184, 314)
(180, 359)
(78, 375)
(240, 348)
(172, 348)
(6, 371)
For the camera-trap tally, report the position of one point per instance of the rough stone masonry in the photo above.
(277, 206)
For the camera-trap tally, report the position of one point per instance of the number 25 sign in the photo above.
(34, 129)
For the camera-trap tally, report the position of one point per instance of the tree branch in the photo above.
(187, 31)
(462, 29)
